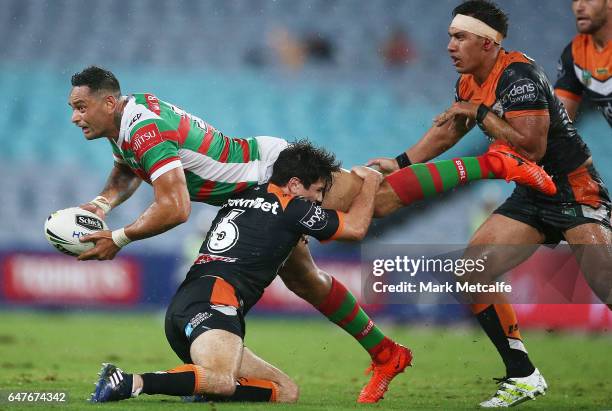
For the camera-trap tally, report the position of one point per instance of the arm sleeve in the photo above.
(155, 154)
(522, 90)
(311, 219)
(567, 84)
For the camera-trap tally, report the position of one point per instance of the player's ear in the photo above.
(487, 44)
(294, 185)
(110, 102)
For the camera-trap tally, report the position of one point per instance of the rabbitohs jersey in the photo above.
(156, 137)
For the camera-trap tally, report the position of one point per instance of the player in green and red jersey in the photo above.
(185, 159)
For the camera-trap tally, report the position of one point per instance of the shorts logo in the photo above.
(90, 223)
(207, 258)
(198, 319)
(315, 219)
(144, 139)
(520, 92)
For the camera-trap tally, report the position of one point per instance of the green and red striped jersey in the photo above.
(157, 136)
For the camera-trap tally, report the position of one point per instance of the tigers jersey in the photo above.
(254, 233)
(517, 87)
(156, 137)
(586, 72)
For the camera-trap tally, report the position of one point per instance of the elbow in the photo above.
(182, 213)
(355, 233)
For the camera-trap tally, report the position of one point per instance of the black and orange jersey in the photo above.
(517, 87)
(254, 233)
(586, 72)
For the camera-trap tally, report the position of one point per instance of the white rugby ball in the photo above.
(64, 228)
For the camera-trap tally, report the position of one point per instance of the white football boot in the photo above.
(513, 391)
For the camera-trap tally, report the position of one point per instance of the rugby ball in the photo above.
(64, 228)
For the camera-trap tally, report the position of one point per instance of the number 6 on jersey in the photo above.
(225, 234)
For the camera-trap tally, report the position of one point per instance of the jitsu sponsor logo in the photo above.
(258, 202)
(208, 258)
(144, 139)
(315, 219)
(135, 119)
(88, 222)
(519, 92)
(461, 170)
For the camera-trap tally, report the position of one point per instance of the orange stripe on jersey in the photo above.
(223, 294)
(523, 113)
(470, 90)
(587, 57)
(340, 229)
(282, 197)
(568, 95)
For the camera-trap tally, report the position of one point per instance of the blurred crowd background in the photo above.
(361, 78)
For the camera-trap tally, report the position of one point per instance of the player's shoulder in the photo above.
(137, 116)
(519, 67)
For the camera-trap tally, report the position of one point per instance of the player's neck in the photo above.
(481, 74)
(602, 36)
(117, 118)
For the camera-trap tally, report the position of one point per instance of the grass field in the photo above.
(452, 367)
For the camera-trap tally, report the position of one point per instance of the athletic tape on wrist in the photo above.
(102, 203)
(119, 238)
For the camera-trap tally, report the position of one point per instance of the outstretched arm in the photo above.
(438, 139)
(120, 186)
(170, 208)
(359, 216)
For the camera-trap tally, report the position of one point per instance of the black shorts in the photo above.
(202, 304)
(581, 198)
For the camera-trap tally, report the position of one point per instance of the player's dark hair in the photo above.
(485, 11)
(303, 160)
(97, 78)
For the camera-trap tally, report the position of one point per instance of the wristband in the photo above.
(481, 113)
(403, 161)
(102, 203)
(119, 238)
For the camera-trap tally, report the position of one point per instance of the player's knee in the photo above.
(222, 385)
(289, 392)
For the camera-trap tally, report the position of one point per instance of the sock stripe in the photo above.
(425, 180)
(472, 166)
(346, 321)
(355, 327)
(336, 296)
(485, 169)
(448, 172)
(345, 309)
(406, 185)
(435, 176)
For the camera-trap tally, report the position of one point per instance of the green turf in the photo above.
(452, 367)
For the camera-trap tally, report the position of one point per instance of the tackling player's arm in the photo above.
(438, 139)
(120, 186)
(327, 224)
(530, 141)
(359, 216)
(170, 208)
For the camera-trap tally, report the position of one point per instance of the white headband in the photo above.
(475, 26)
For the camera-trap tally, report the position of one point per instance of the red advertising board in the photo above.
(50, 279)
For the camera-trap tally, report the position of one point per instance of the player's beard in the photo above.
(598, 20)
